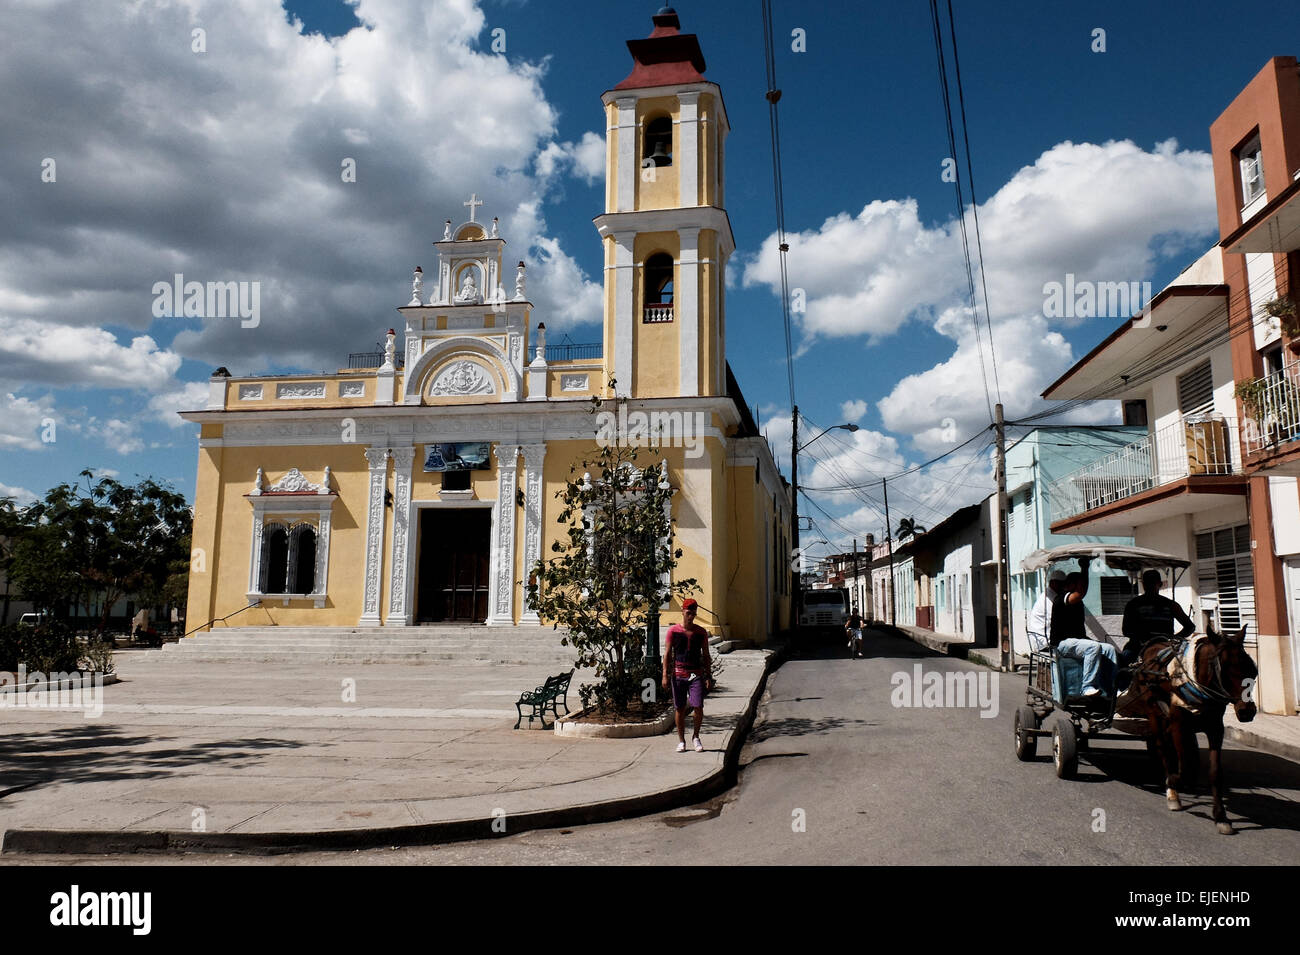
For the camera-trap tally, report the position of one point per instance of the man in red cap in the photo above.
(687, 665)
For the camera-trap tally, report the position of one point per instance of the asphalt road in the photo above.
(836, 773)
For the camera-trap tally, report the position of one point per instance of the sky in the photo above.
(136, 148)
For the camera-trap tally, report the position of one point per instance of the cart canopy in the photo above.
(1118, 556)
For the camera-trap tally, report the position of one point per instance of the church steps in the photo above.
(436, 645)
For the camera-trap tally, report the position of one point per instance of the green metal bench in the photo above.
(544, 697)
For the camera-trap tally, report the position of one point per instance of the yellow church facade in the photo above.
(421, 489)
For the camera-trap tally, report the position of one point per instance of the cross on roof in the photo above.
(473, 203)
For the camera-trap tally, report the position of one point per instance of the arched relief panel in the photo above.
(462, 368)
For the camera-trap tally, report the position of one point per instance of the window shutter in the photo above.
(1196, 390)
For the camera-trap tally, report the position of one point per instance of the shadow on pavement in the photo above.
(1254, 781)
(101, 754)
(804, 726)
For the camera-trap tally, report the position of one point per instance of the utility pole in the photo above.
(797, 590)
(1003, 592)
(889, 543)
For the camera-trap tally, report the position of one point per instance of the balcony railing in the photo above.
(1274, 410)
(575, 352)
(371, 359)
(1192, 445)
(654, 314)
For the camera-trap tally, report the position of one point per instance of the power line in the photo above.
(778, 190)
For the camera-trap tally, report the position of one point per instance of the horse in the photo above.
(1184, 689)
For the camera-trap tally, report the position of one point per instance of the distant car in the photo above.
(31, 620)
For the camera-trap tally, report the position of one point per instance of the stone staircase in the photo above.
(438, 645)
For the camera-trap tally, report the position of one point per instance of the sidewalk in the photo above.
(270, 758)
(1277, 735)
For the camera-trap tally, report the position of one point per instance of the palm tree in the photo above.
(907, 527)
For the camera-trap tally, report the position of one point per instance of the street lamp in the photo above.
(795, 448)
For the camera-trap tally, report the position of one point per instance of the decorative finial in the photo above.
(541, 342)
(257, 485)
(325, 482)
(417, 286)
(520, 295)
(494, 227)
(390, 351)
(446, 231)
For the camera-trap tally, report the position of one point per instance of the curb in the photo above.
(1262, 743)
(115, 841)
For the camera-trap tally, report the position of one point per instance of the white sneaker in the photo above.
(699, 747)
(681, 747)
(1092, 691)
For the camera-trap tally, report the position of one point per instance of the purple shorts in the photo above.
(688, 693)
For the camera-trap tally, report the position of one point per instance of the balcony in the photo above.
(1273, 403)
(1275, 228)
(655, 314)
(1195, 455)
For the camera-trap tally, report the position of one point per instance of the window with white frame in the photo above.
(1252, 171)
(290, 539)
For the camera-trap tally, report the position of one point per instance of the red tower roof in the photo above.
(666, 57)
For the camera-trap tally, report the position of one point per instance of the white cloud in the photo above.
(21, 495)
(22, 420)
(584, 159)
(1102, 212)
(853, 409)
(69, 356)
(188, 397)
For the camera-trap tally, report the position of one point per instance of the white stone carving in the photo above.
(399, 586)
(377, 458)
(303, 389)
(296, 483)
(501, 588)
(463, 378)
(352, 389)
(257, 484)
(390, 351)
(446, 232)
(534, 455)
(250, 392)
(520, 293)
(464, 321)
(495, 226)
(469, 293)
(417, 286)
(574, 382)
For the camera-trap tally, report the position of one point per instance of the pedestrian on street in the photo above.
(688, 666)
(1040, 617)
(1152, 616)
(1070, 637)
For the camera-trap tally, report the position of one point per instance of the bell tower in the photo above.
(665, 232)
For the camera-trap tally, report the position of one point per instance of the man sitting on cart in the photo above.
(1070, 636)
(1150, 617)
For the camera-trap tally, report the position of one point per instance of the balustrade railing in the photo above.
(1272, 404)
(1193, 445)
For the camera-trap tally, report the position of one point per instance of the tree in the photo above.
(108, 539)
(612, 564)
(907, 527)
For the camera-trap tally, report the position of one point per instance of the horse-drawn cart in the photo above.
(1054, 705)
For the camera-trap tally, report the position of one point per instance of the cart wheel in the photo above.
(1026, 745)
(1065, 753)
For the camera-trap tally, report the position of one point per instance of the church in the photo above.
(419, 489)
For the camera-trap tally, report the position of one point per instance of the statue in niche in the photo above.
(468, 290)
